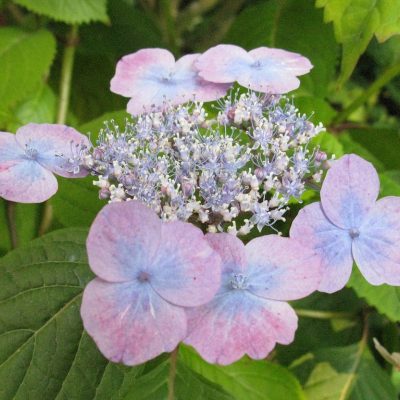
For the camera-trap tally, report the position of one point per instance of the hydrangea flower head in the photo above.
(249, 314)
(29, 158)
(152, 78)
(147, 272)
(263, 69)
(350, 224)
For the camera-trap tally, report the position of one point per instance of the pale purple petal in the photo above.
(123, 240)
(51, 145)
(185, 270)
(377, 249)
(26, 181)
(239, 323)
(152, 78)
(349, 191)
(312, 228)
(134, 71)
(22, 179)
(224, 63)
(129, 322)
(280, 268)
(262, 69)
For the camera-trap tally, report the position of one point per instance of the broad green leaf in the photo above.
(71, 11)
(246, 379)
(354, 368)
(293, 25)
(25, 59)
(383, 144)
(352, 146)
(188, 385)
(316, 108)
(40, 108)
(27, 218)
(325, 383)
(44, 352)
(390, 183)
(76, 202)
(385, 298)
(356, 22)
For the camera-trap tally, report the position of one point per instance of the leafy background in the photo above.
(354, 89)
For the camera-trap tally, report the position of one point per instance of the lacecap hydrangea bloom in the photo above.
(349, 224)
(148, 272)
(250, 313)
(246, 162)
(29, 158)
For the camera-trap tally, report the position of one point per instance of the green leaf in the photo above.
(390, 183)
(325, 383)
(352, 367)
(27, 218)
(329, 143)
(382, 143)
(71, 12)
(356, 22)
(247, 380)
(76, 202)
(25, 59)
(385, 298)
(39, 108)
(293, 25)
(188, 385)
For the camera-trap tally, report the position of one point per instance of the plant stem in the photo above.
(172, 374)
(12, 229)
(63, 104)
(66, 74)
(168, 18)
(390, 73)
(324, 314)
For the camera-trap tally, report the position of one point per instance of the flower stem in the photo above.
(66, 74)
(172, 374)
(12, 229)
(390, 73)
(324, 314)
(63, 104)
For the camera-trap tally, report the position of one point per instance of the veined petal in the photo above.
(377, 249)
(185, 270)
(129, 322)
(282, 268)
(313, 229)
(51, 145)
(146, 65)
(123, 240)
(26, 181)
(239, 323)
(349, 191)
(224, 63)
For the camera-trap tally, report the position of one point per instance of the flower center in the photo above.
(257, 64)
(239, 281)
(143, 277)
(31, 152)
(354, 233)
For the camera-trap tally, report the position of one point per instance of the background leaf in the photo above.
(25, 59)
(352, 366)
(246, 379)
(356, 22)
(69, 11)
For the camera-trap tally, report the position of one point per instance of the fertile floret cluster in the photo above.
(249, 159)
